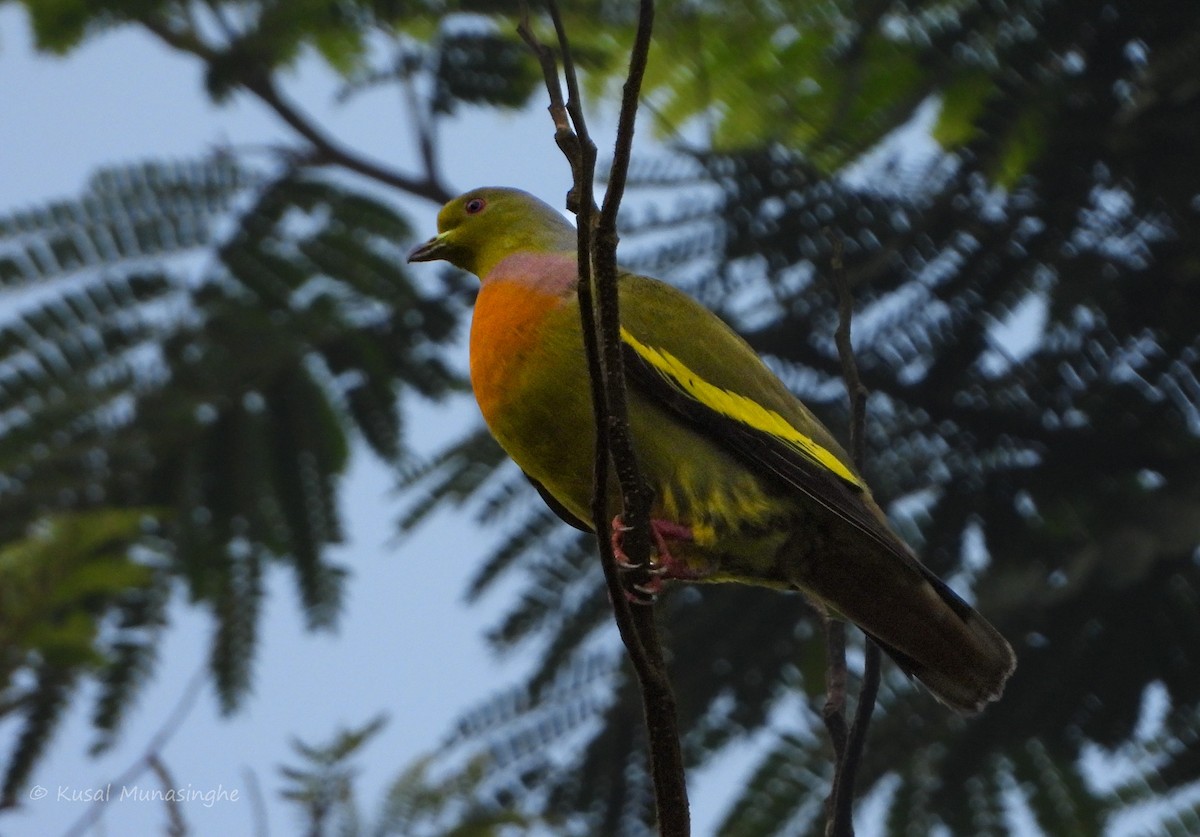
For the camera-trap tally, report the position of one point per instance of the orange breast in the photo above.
(505, 330)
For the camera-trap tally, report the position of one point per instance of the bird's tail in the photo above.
(971, 670)
(931, 633)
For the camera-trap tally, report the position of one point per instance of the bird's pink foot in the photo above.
(663, 564)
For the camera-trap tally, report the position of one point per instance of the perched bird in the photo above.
(748, 485)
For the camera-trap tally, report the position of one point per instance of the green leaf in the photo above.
(1024, 145)
(962, 101)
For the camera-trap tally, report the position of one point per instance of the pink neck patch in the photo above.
(552, 273)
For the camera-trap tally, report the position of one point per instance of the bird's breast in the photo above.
(530, 378)
(510, 329)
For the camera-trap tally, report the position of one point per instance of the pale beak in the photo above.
(430, 251)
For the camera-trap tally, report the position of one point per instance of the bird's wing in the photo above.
(761, 437)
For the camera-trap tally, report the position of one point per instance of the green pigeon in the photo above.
(748, 485)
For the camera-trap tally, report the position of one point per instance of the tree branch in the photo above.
(833, 713)
(600, 315)
(258, 805)
(323, 149)
(176, 825)
(152, 754)
(847, 745)
(327, 151)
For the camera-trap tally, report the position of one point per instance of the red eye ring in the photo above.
(475, 205)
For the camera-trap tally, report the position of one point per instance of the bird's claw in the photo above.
(651, 568)
(644, 594)
(659, 568)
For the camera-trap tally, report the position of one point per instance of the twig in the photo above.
(327, 150)
(154, 747)
(855, 391)
(599, 312)
(323, 149)
(848, 753)
(258, 805)
(847, 774)
(424, 123)
(670, 784)
(569, 142)
(222, 20)
(833, 713)
(176, 826)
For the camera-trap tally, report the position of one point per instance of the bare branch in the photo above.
(847, 774)
(848, 745)
(600, 315)
(670, 785)
(154, 748)
(565, 136)
(424, 125)
(855, 391)
(322, 148)
(176, 826)
(258, 805)
(833, 713)
(328, 151)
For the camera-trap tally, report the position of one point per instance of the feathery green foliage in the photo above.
(425, 798)
(199, 342)
(76, 595)
(1028, 307)
(203, 404)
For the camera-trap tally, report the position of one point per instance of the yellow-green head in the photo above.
(484, 226)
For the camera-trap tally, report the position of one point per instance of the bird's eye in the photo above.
(475, 206)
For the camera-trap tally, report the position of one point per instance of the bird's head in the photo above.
(478, 229)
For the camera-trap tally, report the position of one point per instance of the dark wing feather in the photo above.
(760, 450)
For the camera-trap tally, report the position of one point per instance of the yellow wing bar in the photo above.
(737, 407)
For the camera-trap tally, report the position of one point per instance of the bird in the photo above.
(748, 485)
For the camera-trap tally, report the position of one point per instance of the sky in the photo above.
(406, 644)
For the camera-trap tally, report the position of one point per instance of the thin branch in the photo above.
(323, 149)
(840, 805)
(670, 785)
(847, 775)
(565, 136)
(833, 713)
(154, 747)
(599, 312)
(222, 20)
(176, 826)
(424, 125)
(580, 152)
(258, 805)
(327, 150)
(855, 391)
